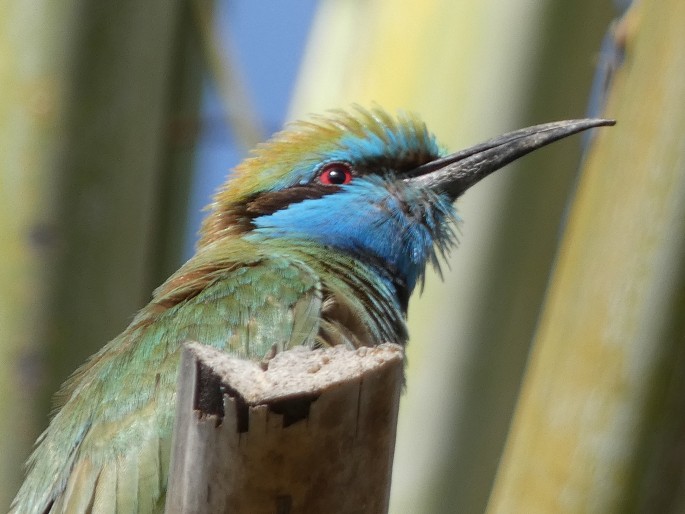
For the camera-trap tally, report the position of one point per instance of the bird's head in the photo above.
(366, 183)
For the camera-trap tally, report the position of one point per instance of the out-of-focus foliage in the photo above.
(97, 99)
(32, 83)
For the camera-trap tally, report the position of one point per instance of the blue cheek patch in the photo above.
(364, 217)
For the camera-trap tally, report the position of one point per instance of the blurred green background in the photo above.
(118, 119)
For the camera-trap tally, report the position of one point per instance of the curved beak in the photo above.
(457, 172)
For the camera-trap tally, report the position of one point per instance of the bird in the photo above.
(317, 239)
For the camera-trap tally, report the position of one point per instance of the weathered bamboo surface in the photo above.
(311, 431)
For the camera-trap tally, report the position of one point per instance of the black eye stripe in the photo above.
(268, 203)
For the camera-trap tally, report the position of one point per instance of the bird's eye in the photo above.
(335, 174)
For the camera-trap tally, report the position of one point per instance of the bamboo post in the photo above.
(311, 431)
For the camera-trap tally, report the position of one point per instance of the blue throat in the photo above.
(398, 226)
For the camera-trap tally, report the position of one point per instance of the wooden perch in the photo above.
(314, 432)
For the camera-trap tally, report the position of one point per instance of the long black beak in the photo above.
(457, 172)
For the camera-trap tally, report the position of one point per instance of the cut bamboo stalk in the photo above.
(310, 431)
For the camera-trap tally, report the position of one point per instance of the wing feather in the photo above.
(107, 450)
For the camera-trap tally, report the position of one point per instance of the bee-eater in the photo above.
(317, 239)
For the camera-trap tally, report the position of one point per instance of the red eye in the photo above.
(335, 174)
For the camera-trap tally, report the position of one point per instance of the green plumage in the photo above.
(107, 449)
